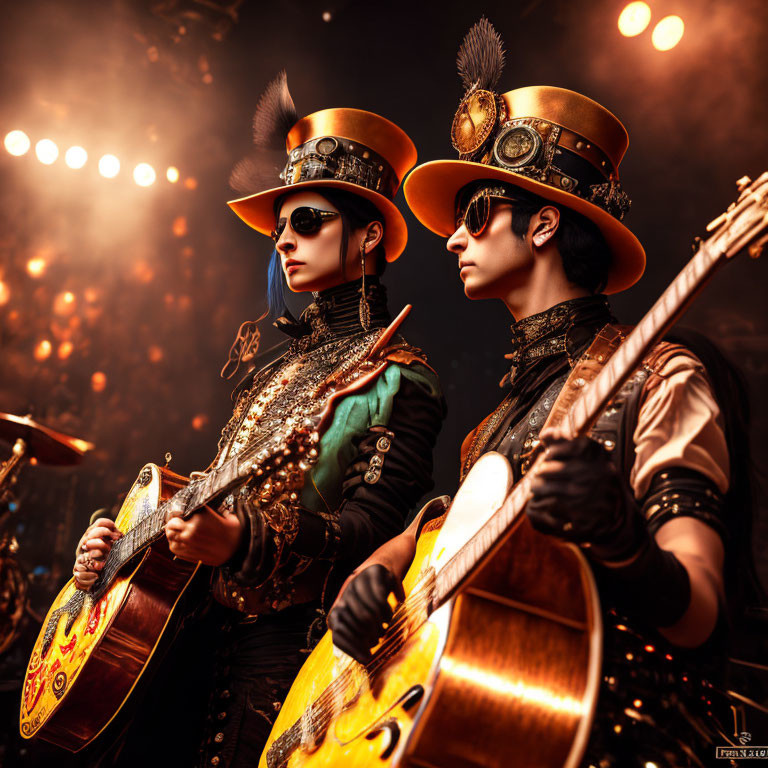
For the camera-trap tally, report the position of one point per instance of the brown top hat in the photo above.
(350, 149)
(553, 142)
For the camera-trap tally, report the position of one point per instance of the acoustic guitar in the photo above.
(494, 657)
(95, 646)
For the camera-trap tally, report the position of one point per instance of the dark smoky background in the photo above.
(118, 303)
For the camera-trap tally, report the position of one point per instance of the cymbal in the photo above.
(43, 443)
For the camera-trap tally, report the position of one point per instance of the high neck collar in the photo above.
(335, 313)
(559, 330)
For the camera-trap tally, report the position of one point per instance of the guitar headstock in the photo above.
(744, 224)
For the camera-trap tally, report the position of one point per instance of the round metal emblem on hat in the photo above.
(474, 121)
(517, 146)
(326, 146)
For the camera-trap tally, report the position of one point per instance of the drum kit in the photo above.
(33, 443)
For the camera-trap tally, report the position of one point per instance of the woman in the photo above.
(349, 415)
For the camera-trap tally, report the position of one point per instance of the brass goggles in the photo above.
(304, 221)
(477, 212)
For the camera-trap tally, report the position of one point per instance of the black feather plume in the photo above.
(480, 60)
(275, 115)
(257, 172)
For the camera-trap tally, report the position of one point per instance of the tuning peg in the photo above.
(743, 183)
(756, 249)
(168, 459)
(715, 223)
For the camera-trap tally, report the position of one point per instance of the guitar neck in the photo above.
(184, 502)
(585, 411)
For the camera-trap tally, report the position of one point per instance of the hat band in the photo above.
(559, 158)
(339, 159)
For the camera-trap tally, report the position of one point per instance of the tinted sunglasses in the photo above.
(304, 221)
(477, 213)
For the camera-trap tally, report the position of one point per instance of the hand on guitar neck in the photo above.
(206, 537)
(92, 550)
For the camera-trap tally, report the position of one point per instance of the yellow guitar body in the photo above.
(505, 673)
(90, 652)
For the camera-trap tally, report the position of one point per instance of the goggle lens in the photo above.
(304, 221)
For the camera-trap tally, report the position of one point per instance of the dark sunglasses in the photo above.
(477, 213)
(304, 221)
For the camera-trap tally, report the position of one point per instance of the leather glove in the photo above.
(362, 608)
(580, 496)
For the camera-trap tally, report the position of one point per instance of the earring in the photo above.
(365, 310)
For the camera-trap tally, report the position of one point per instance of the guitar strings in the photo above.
(419, 598)
(322, 708)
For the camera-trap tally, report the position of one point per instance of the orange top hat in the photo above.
(350, 149)
(552, 142)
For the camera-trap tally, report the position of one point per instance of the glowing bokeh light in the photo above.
(36, 266)
(667, 33)
(155, 354)
(47, 152)
(65, 350)
(179, 227)
(172, 174)
(64, 303)
(17, 143)
(43, 350)
(144, 175)
(5, 294)
(634, 19)
(76, 157)
(109, 166)
(99, 381)
(199, 422)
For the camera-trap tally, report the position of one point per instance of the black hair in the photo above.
(585, 254)
(356, 212)
(583, 249)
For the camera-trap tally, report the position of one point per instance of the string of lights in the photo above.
(18, 144)
(636, 17)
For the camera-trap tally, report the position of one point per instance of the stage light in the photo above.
(327, 16)
(36, 266)
(43, 350)
(64, 303)
(47, 152)
(5, 294)
(144, 175)
(179, 226)
(65, 350)
(76, 157)
(172, 174)
(199, 422)
(155, 354)
(98, 381)
(109, 166)
(634, 19)
(17, 143)
(667, 33)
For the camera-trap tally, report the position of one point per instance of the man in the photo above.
(533, 208)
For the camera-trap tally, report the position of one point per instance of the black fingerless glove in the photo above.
(362, 608)
(588, 502)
